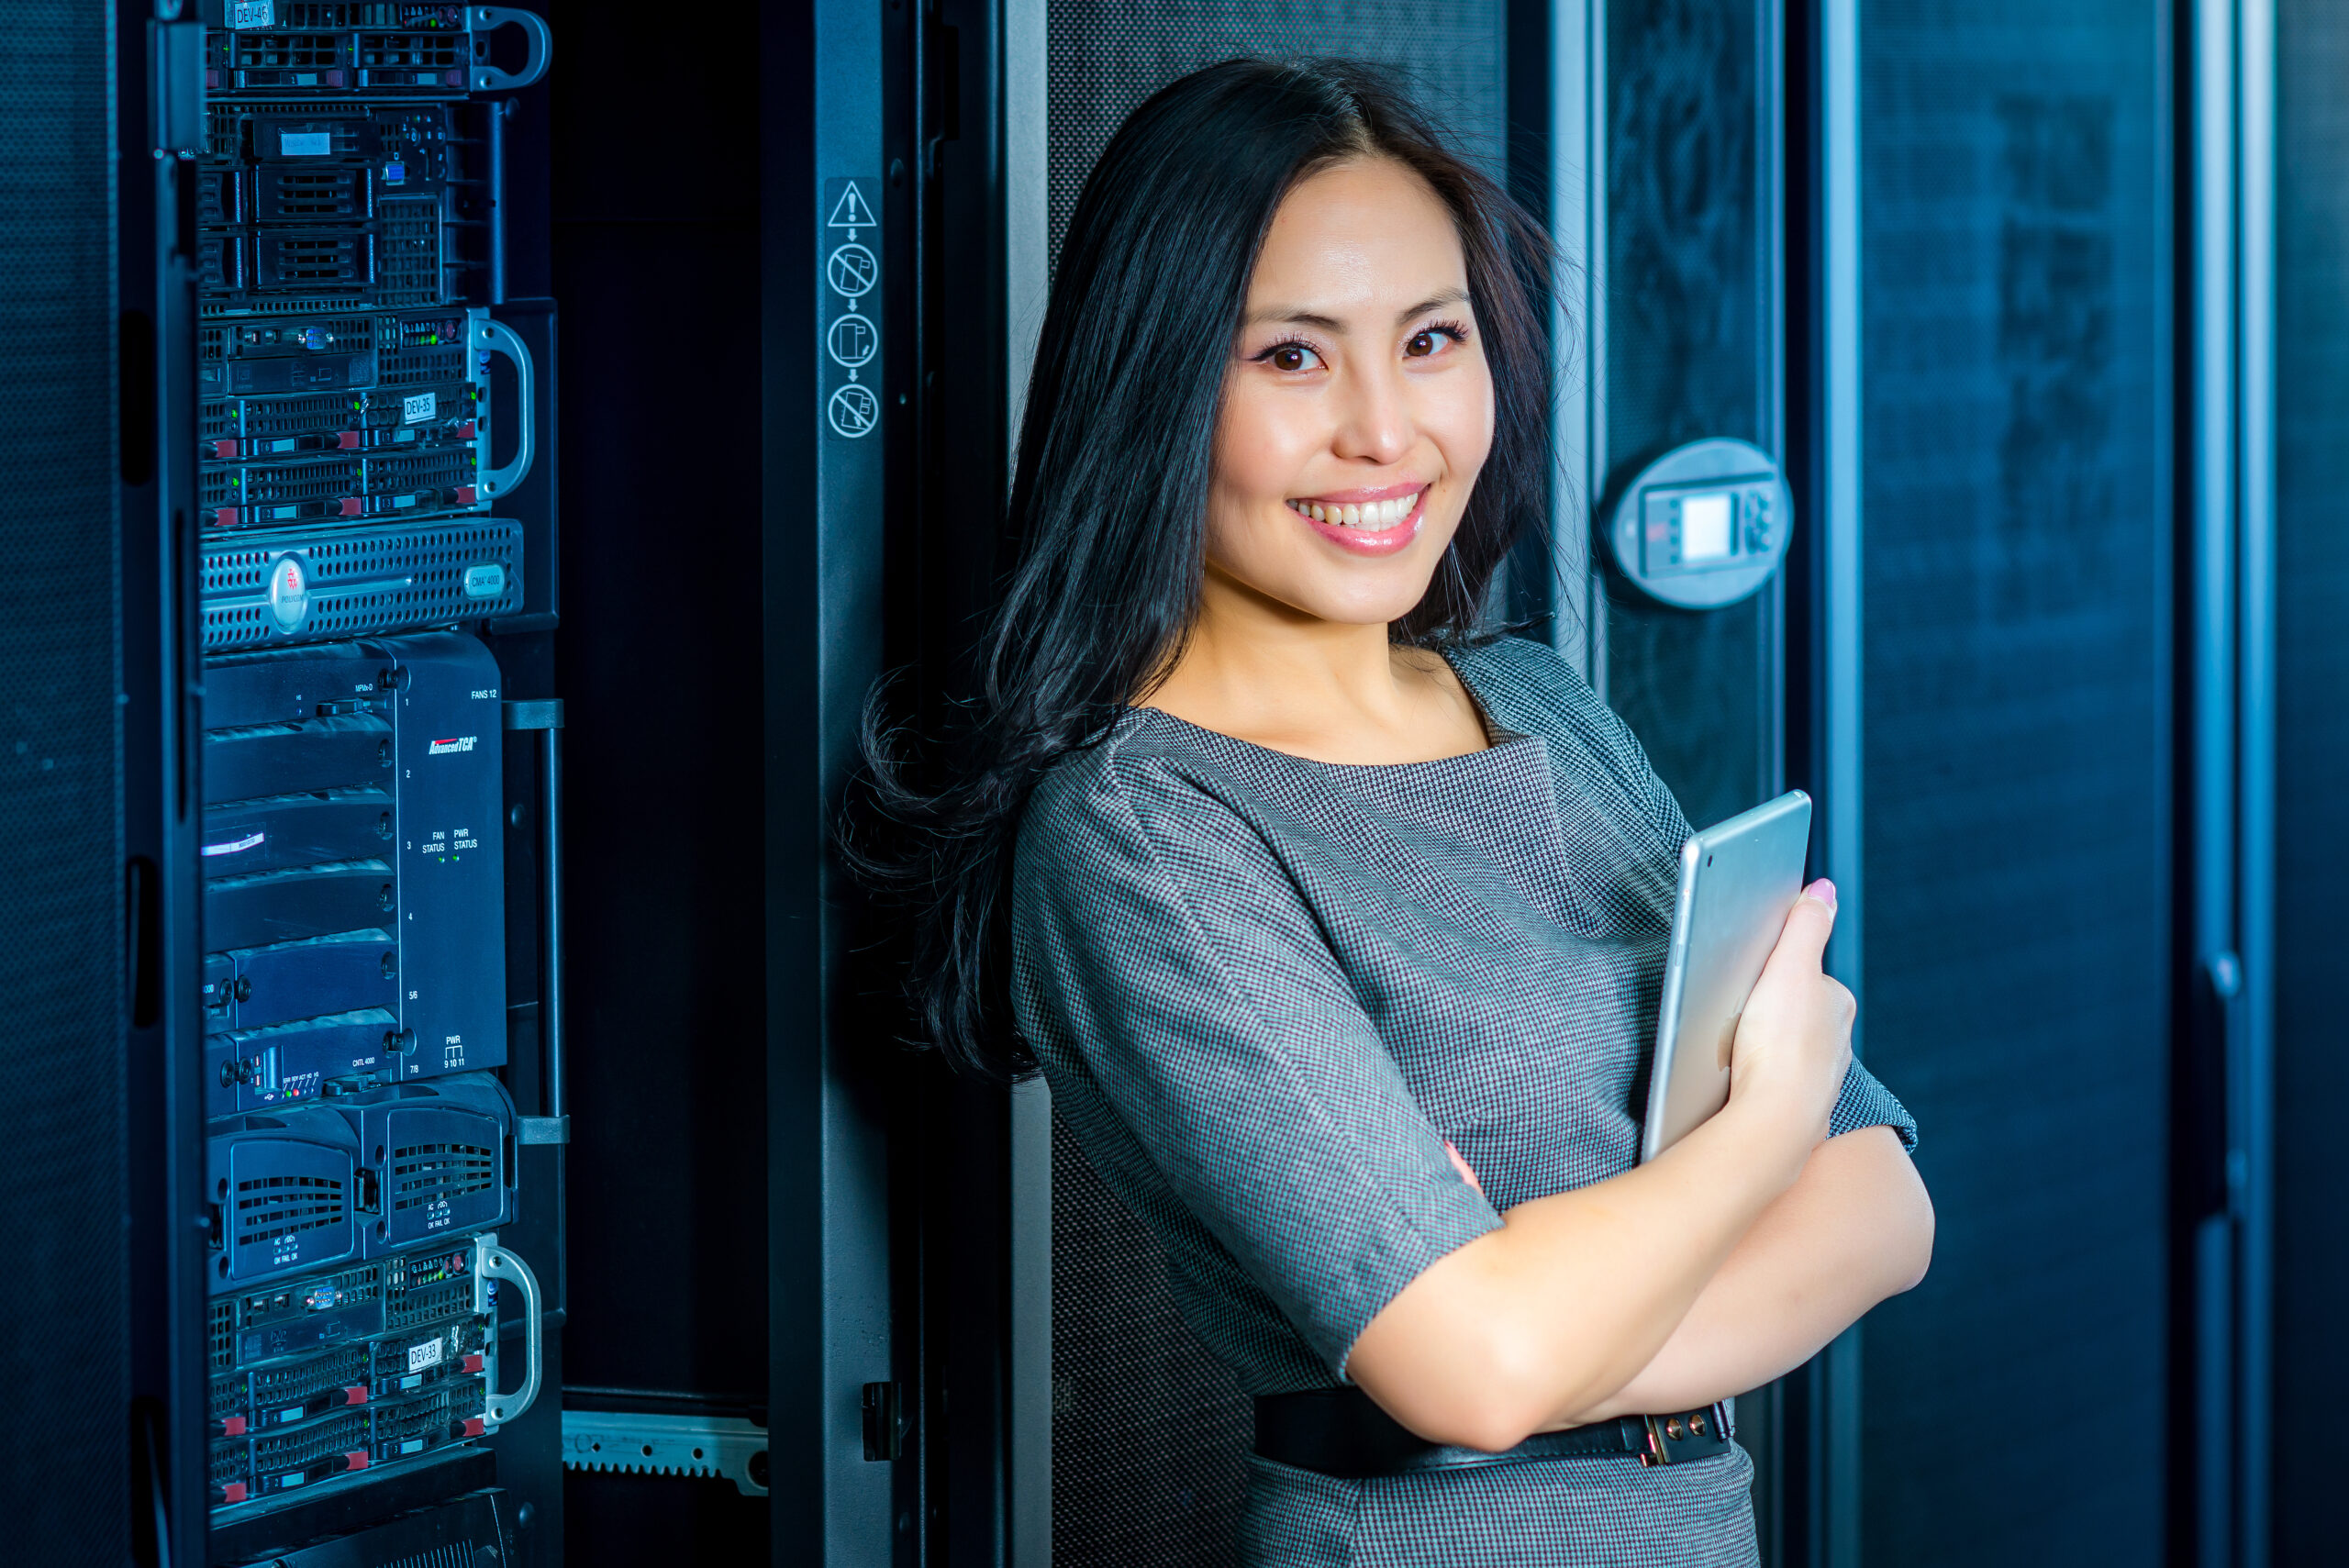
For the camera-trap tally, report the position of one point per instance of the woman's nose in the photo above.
(1374, 422)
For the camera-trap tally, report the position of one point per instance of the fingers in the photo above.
(1809, 924)
(1461, 1165)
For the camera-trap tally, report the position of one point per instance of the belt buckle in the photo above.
(1691, 1434)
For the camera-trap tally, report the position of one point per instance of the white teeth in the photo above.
(1374, 516)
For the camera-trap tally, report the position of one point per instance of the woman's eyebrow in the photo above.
(1433, 302)
(1298, 315)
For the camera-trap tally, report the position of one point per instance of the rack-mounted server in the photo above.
(358, 437)
(354, 857)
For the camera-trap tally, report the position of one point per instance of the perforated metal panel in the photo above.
(2311, 746)
(1107, 56)
(63, 1329)
(2016, 541)
(1149, 1430)
(350, 584)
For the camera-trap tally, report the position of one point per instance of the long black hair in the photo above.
(1106, 526)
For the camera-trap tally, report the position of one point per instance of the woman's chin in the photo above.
(1346, 589)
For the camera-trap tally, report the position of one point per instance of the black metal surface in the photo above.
(158, 95)
(619, 1518)
(65, 1335)
(1689, 107)
(657, 660)
(530, 1464)
(946, 223)
(662, 748)
(356, 1510)
(1699, 688)
(1689, 293)
(2312, 748)
(471, 1531)
(2017, 431)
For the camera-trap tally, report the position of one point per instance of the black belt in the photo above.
(1340, 1432)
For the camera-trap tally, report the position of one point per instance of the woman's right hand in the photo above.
(1794, 1040)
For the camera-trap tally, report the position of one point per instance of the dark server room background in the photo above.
(467, 465)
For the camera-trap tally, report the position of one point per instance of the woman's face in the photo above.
(1358, 407)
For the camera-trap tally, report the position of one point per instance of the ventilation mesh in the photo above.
(64, 1330)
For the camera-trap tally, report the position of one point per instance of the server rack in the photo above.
(294, 261)
(370, 413)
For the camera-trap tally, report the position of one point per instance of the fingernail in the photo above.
(1823, 890)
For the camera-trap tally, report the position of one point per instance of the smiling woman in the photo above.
(1357, 413)
(1337, 920)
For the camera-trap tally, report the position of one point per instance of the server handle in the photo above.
(499, 338)
(493, 1262)
(487, 78)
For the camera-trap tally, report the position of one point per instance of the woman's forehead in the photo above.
(1361, 238)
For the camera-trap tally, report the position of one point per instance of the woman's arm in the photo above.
(1527, 1327)
(1855, 1228)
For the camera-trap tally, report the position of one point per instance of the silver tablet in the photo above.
(1738, 880)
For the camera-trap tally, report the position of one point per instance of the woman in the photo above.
(1336, 923)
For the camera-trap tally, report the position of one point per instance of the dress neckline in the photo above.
(1499, 737)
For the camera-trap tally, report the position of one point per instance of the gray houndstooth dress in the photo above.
(1265, 990)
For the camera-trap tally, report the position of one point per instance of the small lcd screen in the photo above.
(1705, 526)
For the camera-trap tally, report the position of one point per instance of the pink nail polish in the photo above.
(1824, 891)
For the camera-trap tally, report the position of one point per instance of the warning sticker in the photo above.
(848, 329)
(850, 212)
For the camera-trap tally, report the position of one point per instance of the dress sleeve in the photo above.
(1867, 1103)
(1162, 954)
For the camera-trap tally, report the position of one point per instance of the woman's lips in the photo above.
(1368, 541)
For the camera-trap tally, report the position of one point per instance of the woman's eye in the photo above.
(1424, 343)
(1293, 357)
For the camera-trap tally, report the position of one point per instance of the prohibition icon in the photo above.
(852, 270)
(853, 410)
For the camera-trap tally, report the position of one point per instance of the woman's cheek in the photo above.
(1460, 418)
